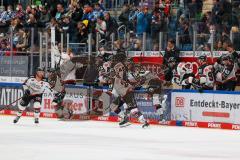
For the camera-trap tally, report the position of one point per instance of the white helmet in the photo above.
(188, 68)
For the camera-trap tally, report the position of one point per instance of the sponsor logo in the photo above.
(215, 104)
(48, 115)
(191, 124)
(214, 125)
(179, 101)
(103, 118)
(235, 126)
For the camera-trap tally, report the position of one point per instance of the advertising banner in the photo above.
(15, 67)
(76, 98)
(212, 106)
(102, 99)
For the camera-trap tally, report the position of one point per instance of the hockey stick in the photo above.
(10, 104)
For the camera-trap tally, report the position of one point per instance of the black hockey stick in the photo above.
(10, 104)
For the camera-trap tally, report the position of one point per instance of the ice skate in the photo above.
(124, 122)
(16, 119)
(36, 121)
(145, 125)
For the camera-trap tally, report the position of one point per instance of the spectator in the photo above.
(101, 27)
(156, 25)
(7, 15)
(124, 16)
(4, 48)
(111, 25)
(97, 12)
(22, 43)
(78, 13)
(44, 17)
(185, 37)
(82, 33)
(219, 46)
(233, 54)
(143, 22)
(236, 37)
(19, 12)
(14, 25)
(88, 13)
(60, 12)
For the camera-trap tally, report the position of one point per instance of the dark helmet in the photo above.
(202, 58)
(225, 57)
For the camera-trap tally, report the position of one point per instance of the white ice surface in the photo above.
(89, 140)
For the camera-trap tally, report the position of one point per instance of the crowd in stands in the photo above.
(80, 17)
(218, 26)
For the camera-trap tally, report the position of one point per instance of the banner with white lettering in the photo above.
(76, 98)
(212, 106)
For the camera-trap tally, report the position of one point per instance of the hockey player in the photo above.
(139, 77)
(124, 93)
(205, 79)
(225, 70)
(184, 75)
(33, 91)
(59, 93)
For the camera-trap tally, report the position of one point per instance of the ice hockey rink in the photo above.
(90, 140)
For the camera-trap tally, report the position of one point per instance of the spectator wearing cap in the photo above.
(171, 52)
(111, 25)
(82, 31)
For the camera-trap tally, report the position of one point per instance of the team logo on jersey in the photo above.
(179, 101)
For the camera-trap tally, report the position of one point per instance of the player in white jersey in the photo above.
(124, 93)
(138, 77)
(184, 75)
(33, 91)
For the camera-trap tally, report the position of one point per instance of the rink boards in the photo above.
(210, 109)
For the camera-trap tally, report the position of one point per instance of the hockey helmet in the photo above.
(202, 58)
(188, 68)
(226, 57)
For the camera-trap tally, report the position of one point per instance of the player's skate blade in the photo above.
(145, 125)
(124, 122)
(36, 121)
(16, 119)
